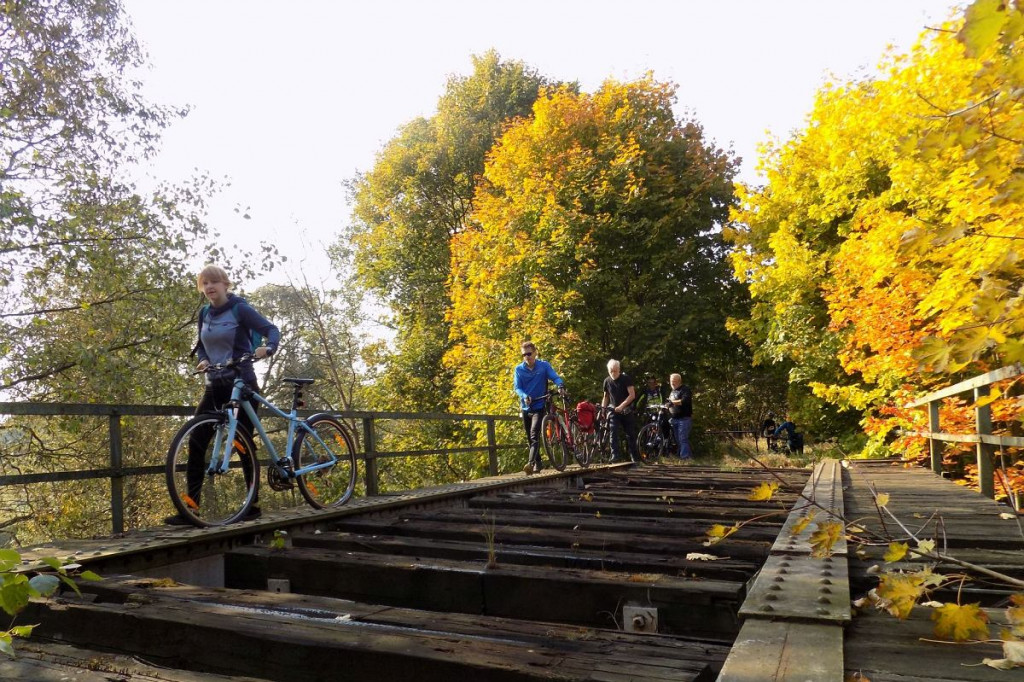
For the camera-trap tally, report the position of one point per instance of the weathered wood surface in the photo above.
(403, 590)
(973, 529)
(400, 589)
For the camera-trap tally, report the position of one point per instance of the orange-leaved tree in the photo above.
(881, 254)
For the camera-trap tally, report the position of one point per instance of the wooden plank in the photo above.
(770, 651)
(41, 661)
(283, 645)
(625, 539)
(970, 384)
(533, 555)
(573, 596)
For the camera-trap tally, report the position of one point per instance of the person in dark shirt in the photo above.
(768, 427)
(620, 393)
(653, 395)
(681, 414)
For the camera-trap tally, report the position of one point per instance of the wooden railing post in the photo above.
(935, 446)
(370, 453)
(492, 448)
(983, 422)
(116, 475)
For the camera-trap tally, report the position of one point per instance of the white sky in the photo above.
(289, 99)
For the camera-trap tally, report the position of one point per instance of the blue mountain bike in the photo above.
(213, 473)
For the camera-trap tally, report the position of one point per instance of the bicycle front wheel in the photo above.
(553, 429)
(324, 440)
(206, 499)
(650, 442)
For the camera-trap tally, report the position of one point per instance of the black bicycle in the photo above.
(657, 438)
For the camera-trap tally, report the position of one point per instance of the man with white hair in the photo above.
(620, 393)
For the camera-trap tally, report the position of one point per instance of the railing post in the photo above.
(935, 447)
(492, 447)
(983, 422)
(370, 453)
(116, 475)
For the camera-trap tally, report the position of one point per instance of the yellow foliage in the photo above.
(825, 537)
(896, 551)
(898, 592)
(960, 623)
(763, 492)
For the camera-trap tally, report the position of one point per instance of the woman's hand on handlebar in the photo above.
(201, 367)
(260, 353)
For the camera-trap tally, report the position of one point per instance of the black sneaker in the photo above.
(251, 513)
(177, 520)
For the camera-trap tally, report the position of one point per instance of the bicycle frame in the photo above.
(223, 450)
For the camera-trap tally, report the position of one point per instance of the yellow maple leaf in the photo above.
(924, 547)
(899, 592)
(1015, 615)
(960, 623)
(824, 538)
(586, 497)
(763, 492)
(882, 499)
(897, 550)
(799, 526)
(718, 532)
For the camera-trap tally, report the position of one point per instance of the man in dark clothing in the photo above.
(794, 440)
(681, 414)
(620, 393)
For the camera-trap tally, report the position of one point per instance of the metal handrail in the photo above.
(117, 472)
(985, 442)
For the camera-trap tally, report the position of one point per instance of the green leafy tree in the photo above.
(411, 205)
(99, 296)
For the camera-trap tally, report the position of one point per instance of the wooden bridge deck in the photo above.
(400, 588)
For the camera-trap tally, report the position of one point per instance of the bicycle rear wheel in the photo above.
(581, 445)
(552, 428)
(206, 499)
(327, 440)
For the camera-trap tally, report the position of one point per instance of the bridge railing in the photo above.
(117, 472)
(986, 444)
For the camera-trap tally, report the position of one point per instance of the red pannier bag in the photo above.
(586, 414)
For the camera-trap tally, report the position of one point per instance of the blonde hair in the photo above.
(212, 273)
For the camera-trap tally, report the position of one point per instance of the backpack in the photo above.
(255, 338)
(586, 414)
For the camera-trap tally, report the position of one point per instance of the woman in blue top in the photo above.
(530, 379)
(226, 333)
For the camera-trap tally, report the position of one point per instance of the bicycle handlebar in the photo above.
(247, 357)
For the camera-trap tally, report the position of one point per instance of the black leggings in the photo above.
(214, 398)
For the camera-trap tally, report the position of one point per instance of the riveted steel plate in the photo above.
(825, 488)
(800, 587)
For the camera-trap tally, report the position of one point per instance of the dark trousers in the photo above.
(214, 398)
(626, 423)
(531, 424)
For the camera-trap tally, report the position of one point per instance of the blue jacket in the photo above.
(238, 318)
(534, 383)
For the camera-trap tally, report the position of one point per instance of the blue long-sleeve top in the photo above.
(787, 426)
(534, 383)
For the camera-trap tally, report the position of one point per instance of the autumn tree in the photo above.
(880, 254)
(594, 234)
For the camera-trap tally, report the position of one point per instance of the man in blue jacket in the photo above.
(530, 379)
